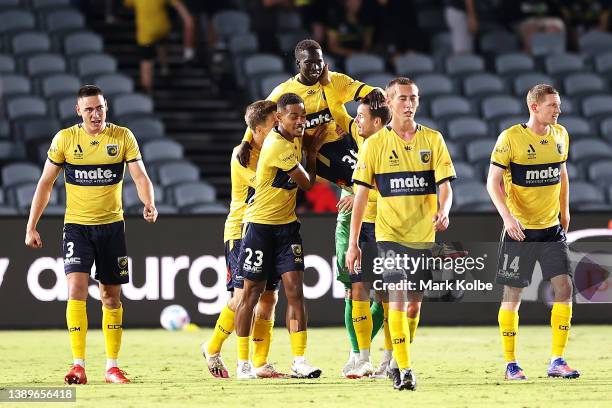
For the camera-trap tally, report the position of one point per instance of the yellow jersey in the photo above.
(275, 192)
(405, 175)
(152, 20)
(93, 170)
(243, 189)
(532, 173)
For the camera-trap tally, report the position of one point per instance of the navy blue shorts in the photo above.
(103, 244)
(418, 273)
(234, 277)
(517, 259)
(268, 251)
(367, 241)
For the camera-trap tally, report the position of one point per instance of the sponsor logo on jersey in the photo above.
(535, 175)
(318, 118)
(393, 159)
(94, 175)
(425, 156)
(531, 153)
(78, 152)
(406, 183)
(112, 150)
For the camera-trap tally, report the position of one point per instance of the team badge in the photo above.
(560, 148)
(425, 156)
(297, 249)
(122, 261)
(112, 150)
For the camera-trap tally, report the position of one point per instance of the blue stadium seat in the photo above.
(131, 104)
(65, 110)
(16, 20)
(230, 22)
(38, 128)
(162, 149)
(479, 150)
(449, 106)
(358, 65)
(595, 42)
(41, 4)
(7, 64)
(514, 63)
(524, 82)
(576, 126)
(145, 128)
(243, 43)
(600, 173)
(498, 42)
(411, 64)
(500, 105)
(14, 84)
(597, 105)
(209, 208)
(64, 20)
(193, 193)
(463, 64)
(174, 173)
(467, 128)
(56, 85)
(587, 150)
(507, 121)
(471, 196)
(378, 80)
(434, 84)
(96, 64)
(83, 42)
(547, 43)
(605, 128)
(564, 63)
(582, 192)
(25, 106)
(30, 42)
(114, 84)
(45, 64)
(584, 83)
(14, 174)
(271, 81)
(603, 63)
(483, 84)
(465, 172)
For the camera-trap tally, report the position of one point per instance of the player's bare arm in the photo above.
(306, 178)
(144, 188)
(564, 198)
(494, 182)
(445, 199)
(353, 254)
(39, 203)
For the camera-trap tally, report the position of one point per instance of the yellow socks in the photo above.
(560, 317)
(262, 337)
(112, 327)
(398, 327)
(298, 343)
(362, 322)
(388, 344)
(413, 323)
(508, 329)
(76, 319)
(223, 328)
(243, 348)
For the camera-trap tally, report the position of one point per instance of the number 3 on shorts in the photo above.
(70, 247)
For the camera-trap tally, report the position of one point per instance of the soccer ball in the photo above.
(174, 317)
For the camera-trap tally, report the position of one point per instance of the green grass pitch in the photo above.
(455, 367)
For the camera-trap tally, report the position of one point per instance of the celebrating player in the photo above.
(260, 117)
(405, 162)
(271, 245)
(93, 156)
(528, 184)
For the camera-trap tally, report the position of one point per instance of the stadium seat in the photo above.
(603, 63)
(288, 39)
(479, 150)
(500, 105)
(243, 43)
(45, 64)
(11, 151)
(574, 172)
(470, 194)
(37, 128)
(466, 128)
(96, 64)
(582, 192)
(230, 22)
(64, 20)
(465, 172)
(595, 42)
(288, 21)
(40, 4)
(166, 209)
(57, 85)
(600, 173)
(130, 104)
(429, 122)
(271, 81)
(584, 83)
(65, 109)
(7, 64)
(498, 42)
(212, 208)
(145, 128)
(30, 42)
(83, 42)
(5, 129)
(9, 4)
(514, 63)
(14, 174)
(483, 84)
(14, 84)
(455, 150)
(576, 126)
(449, 106)
(378, 80)
(25, 106)
(191, 193)
(161, 150)
(173, 173)
(563, 64)
(567, 106)
(114, 84)
(597, 105)
(547, 43)
(258, 64)
(585, 150)
(16, 20)
(434, 84)
(130, 195)
(524, 82)
(463, 64)
(358, 65)
(412, 64)
(508, 121)
(605, 128)
(25, 192)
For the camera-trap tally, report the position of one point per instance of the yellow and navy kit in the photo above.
(405, 175)
(338, 152)
(243, 189)
(275, 192)
(152, 20)
(93, 169)
(532, 176)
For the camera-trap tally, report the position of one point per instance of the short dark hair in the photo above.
(306, 45)
(382, 112)
(257, 113)
(288, 99)
(89, 90)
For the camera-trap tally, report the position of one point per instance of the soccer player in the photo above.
(93, 156)
(260, 117)
(529, 186)
(271, 244)
(405, 161)
(361, 318)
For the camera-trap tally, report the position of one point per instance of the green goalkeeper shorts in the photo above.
(343, 227)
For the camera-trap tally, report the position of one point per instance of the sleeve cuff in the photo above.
(361, 183)
(498, 165)
(133, 160)
(449, 179)
(293, 168)
(57, 164)
(356, 97)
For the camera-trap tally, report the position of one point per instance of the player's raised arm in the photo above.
(39, 203)
(306, 178)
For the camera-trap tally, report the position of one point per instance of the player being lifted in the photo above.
(271, 245)
(260, 117)
(367, 122)
(405, 161)
(93, 156)
(535, 211)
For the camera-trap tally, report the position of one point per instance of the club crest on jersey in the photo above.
(560, 148)
(425, 156)
(122, 261)
(296, 249)
(112, 150)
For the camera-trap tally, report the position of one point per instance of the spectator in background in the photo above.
(349, 30)
(462, 21)
(314, 20)
(528, 17)
(152, 29)
(581, 16)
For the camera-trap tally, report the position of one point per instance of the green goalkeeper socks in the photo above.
(348, 323)
(378, 317)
